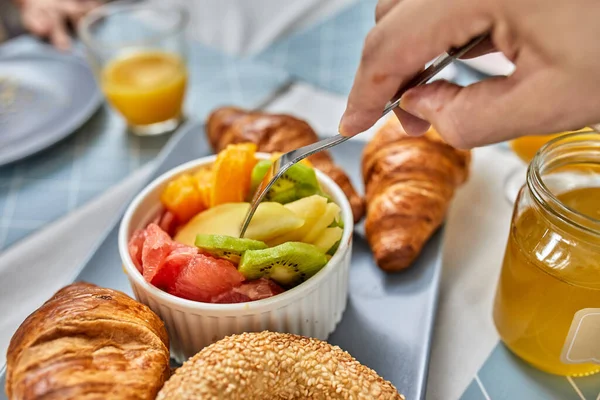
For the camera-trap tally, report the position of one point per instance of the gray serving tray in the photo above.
(389, 318)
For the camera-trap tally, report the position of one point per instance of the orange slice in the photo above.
(182, 197)
(230, 181)
(204, 183)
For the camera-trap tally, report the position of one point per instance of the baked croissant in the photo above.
(409, 183)
(276, 133)
(87, 342)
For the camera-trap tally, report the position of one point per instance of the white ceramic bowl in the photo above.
(312, 308)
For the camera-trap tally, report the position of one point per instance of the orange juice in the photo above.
(551, 271)
(525, 147)
(146, 87)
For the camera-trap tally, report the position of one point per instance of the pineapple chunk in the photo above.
(270, 220)
(332, 210)
(328, 238)
(310, 209)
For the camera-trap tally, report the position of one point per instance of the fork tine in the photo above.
(280, 166)
(274, 172)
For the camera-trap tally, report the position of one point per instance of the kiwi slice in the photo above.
(297, 182)
(333, 248)
(227, 247)
(288, 264)
(258, 173)
(337, 222)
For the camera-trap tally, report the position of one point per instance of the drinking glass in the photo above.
(137, 51)
(525, 148)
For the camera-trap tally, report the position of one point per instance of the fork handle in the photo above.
(323, 144)
(439, 64)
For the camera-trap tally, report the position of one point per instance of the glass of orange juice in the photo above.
(547, 306)
(137, 50)
(525, 148)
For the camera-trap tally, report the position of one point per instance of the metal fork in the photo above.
(283, 163)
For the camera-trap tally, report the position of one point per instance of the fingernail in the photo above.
(341, 129)
(411, 104)
(343, 126)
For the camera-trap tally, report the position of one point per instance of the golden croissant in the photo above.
(409, 184)
(88, 342)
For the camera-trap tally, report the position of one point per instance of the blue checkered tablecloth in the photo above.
(38, 190)
(326, 55)
(503, 376)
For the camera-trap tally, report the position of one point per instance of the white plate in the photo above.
(44, 97)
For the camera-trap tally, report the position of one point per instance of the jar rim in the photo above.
(542, 193)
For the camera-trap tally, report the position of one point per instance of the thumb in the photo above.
(483, 113)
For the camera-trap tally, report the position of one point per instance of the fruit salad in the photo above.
(192, 249)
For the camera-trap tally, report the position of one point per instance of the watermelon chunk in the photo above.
(260, 289)
(168, 222)
(230, 297)
(184, 272)
(205, 277)
(157, 246)
(135, 245)
(249, 291)
(174, 263)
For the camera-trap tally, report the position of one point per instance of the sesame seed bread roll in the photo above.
(268, 365)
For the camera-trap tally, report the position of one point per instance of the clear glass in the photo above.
(525, 149)
(137, 51)
(551, 269)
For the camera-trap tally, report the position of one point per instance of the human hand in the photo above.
(555, 86)
(49, 19)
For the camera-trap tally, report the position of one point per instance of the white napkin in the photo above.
(476, 232)
(491, 64)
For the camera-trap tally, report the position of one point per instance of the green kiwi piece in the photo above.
(333, 248)
(227, 247)
(297, 182)
(337, 222)
(288, 264)
(258, 173)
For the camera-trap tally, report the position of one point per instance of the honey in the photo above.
(544, 282)
(550, 279)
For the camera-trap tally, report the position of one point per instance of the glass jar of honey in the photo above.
(547, 307)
